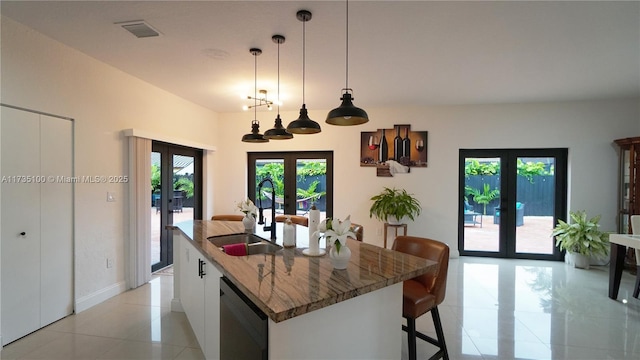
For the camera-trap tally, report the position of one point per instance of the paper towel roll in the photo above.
(314, 220)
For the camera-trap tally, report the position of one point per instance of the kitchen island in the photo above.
(314, 312)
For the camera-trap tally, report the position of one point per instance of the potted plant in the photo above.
(393, 205)
(581, 238)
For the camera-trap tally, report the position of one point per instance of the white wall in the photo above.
(586, 128)
(42, 74)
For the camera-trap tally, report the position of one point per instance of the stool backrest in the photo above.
(227, 217)
(434, 281)
(296, 219)
(358, 230)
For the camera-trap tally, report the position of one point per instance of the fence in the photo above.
(538, 194)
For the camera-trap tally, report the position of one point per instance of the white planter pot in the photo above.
(392, 220)
(577, 260)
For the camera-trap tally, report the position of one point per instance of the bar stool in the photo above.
(424, 293)
(296, 219)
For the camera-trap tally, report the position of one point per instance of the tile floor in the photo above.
(494, 309)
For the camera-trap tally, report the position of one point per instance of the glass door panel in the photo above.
(535, 205)
(311, 186)
(481, 212)
(156, 226)
(269, 169)
(176, 178)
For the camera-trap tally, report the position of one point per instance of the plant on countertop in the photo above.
(335, 231)
(582, 236)
(394, 202)
(247, 207)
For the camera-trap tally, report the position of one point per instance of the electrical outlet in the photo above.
(109, 263)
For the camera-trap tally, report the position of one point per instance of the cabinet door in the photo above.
(56, 219)
(192, 289)
(211, 349)
(20, 210)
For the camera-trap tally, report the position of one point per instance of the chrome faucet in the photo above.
(271, 227)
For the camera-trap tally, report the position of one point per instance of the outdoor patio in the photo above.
(185, 214)
(532, 237)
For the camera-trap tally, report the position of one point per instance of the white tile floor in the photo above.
(494, 309)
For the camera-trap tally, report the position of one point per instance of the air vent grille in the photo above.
(139, 28)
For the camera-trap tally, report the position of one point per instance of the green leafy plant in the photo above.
(185, 185)
(155, 178)
(310, 192)
(484, 197)
(582, 236)
(394, 202)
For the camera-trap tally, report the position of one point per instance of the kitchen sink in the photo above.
(255, 244)
(264, 247)
(222, 240)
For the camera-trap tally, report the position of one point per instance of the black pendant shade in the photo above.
(278, 132)
(255, 136)
(347, 114)
(303, 125)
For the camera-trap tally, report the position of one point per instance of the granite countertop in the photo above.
(287, 284)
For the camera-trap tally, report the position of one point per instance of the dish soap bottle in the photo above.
(289, 234)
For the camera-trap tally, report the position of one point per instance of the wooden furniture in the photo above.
(296, 219)
(424, 293)
(395, 228)
(628, 188)
(227, 217)
(358, 230)
(619, 244)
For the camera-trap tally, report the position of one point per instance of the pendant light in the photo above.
(303, 125)
(255, 136)
(278, 132)
(347, 114)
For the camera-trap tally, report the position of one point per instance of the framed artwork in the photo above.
(409, 148)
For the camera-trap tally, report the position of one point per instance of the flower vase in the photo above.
(340, 260)
(249, 223)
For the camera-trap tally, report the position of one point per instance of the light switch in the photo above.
(111, 197)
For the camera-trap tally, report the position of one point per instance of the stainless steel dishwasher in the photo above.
(244, 327)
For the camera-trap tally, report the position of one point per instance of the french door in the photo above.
(509, 201)
(176, 195)
(300, 180)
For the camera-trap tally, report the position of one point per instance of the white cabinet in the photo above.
(36, 221)
(200, 296)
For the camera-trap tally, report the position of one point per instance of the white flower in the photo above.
(336, 231)
(247, 207)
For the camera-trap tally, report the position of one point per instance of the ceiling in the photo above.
(401, 53)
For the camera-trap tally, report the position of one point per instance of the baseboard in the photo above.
(99, 296)
(176, 305)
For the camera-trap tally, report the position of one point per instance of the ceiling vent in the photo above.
(139, 28)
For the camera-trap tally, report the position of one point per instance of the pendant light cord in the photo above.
(278, 77)
(347, 52)
(255, 86)
(304, 41)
